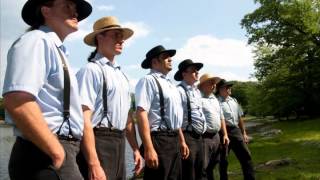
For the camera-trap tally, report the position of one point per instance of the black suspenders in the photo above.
(66, 96)
(105, 99)
(161, 104)
(188, 106)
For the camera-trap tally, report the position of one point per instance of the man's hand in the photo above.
(246, 138)
(226, 140)
(58, 157)
(151, 158)
(184, 150)
(96, 173)
(137, 162)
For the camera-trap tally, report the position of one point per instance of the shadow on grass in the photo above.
(300, 141)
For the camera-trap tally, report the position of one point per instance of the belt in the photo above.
(67, 138)
(193, 134)
(107, 129)
(165, 133)
(208, 134)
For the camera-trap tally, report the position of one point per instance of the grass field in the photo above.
(299, 141)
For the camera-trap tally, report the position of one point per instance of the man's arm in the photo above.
(88, 147)
(225, 133)
(243, 130)
(28, 118)
(183, 146)
(132, 139)
(150, 155)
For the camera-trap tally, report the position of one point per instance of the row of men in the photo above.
(56, 115)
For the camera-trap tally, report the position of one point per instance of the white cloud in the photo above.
(140, 30)
(106, 8)
(232, 76)
(217, 52)
(133, 83)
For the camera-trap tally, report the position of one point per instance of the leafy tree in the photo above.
(286, 34)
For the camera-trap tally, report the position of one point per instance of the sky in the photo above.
(206, 31)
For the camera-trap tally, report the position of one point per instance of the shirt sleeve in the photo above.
(89, 86)
(144, 93)
(27, 64)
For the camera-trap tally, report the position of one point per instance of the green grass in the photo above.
(300, 141)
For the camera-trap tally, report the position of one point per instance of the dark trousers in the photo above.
(241, 151)
(168, 150)
(28, 162)
(110, 146)
(211, 154)
(193, 165)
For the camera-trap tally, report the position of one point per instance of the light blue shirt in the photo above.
(198, 121)
(34, 66)
(90, 81)
(147, 97)
(213, 113)
(231, 110)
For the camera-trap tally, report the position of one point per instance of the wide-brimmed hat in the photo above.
(30, 13)
(154, 52)
(183, 66)
(223, 83)
(208, 77)
(104, 24)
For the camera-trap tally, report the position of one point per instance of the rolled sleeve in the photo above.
(144, 94)
(26, 69)
(88, 85)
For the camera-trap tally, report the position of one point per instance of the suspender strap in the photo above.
(161, 104)
(188, 104)
(105, 99)
(66, 95)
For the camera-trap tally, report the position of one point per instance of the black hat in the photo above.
(30, 13)
(146, 63)
(223, 83)
(183, 66)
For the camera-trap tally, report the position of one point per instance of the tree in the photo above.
(286, 34)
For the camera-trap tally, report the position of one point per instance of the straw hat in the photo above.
(103, 24)
(30, 13)
(183, 66)
(154, 52)
(208, 77)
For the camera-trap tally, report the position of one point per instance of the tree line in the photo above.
(286, 38)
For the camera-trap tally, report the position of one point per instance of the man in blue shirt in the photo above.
(159, 113)
(106, 98)
(236, 132)
(41, 93)
(215, 121)
(194, 122)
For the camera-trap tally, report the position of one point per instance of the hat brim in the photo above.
(146, 63)
(215, 79)
(178, 75)
(224, 85)
(90, 38)
(30, 16)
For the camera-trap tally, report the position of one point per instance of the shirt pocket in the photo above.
(227, 112)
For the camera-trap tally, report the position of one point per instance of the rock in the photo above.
(271, 133)
(279, 162)
(275, 163)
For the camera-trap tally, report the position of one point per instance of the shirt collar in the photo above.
(224, 99)
(159, 74)
(103, 60)
(55, 38)
(211, 96)
(189, 87)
